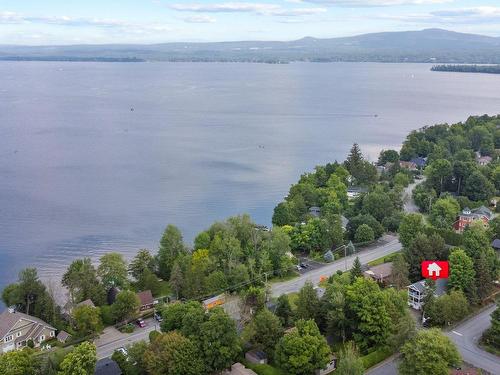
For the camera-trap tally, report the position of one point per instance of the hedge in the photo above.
(375, 357)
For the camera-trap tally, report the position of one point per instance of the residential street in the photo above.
(391, 245)
(112, 339)
(466, 336)
(409, 204)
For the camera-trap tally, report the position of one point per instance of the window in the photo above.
(9, 338)
(18, 334)
(42, 337)
(52, 333)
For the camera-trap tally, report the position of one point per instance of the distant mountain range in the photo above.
(429, 45)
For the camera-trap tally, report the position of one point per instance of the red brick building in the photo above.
(467, 216)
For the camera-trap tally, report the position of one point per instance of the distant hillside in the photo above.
(430, 45)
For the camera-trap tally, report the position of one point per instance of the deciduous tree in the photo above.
(430, 352)
(80, 361)
(113, 270)
(303, 350)
(126, 305)
(171, 246)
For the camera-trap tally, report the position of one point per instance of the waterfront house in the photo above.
(467, 216)
(146, 300)
(417, 292)
(17, 328)
(420, 162)
(411, 166)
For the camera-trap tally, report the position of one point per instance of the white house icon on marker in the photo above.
(434, 270)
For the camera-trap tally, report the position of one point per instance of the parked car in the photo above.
(141, 323)
(304, 265)
(158, 317)
(299, 268)
(122, 351)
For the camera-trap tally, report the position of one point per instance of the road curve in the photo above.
(466, 337)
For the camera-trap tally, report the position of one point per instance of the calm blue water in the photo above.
(81, 174)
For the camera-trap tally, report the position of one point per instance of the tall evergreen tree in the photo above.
(483, 276)
(356, 270)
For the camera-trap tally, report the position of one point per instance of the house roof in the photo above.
(8, 319)
(257, 354)
(441, 286)
(496, 243)
(419, 161)
(87, 302)
(480, 211)
(380, 271)
(145, 297)
(63, 336)
(107, 366)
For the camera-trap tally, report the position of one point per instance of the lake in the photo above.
(99, 157)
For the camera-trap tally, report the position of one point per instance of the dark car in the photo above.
(141, 323)
(158, 317)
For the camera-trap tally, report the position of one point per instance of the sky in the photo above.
(53, 22)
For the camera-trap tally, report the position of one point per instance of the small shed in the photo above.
(315, 211)
(256, 356)
(87, 302)
(63, 337)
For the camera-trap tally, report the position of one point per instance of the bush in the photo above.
(153, 335)
(106, 315)
(375, 357)
(128, 328)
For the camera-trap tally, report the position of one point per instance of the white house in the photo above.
(16, 329)
(418, 290)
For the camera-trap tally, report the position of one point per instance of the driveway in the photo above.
(388, 245)
(112, 339)
(466, 336)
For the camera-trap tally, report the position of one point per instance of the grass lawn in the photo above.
(387, 258)
(286, 277)
(263, 369)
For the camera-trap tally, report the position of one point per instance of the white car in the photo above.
(123, 351)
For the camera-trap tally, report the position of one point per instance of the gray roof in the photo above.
(381, 271)
(496, 243)
(63, 336)
(441, 286)
(9, 319)
(107, 366)
(87, 302)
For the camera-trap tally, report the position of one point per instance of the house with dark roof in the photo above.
(420, 162)
(417, 292)
(17, 328)
(63, 336)
(107, 366)
(411, 166)
(146, 300)
(496, 244)
(468, 216)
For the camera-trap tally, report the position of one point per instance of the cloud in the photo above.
(373, 3)
(476, 15)
(226, 7)
(200, 18)
(245, 7)
(16, 18)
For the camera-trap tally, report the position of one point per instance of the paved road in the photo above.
(409, 204)
(466, 337)
(112, 339)
(390, 246)
(388, 367)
